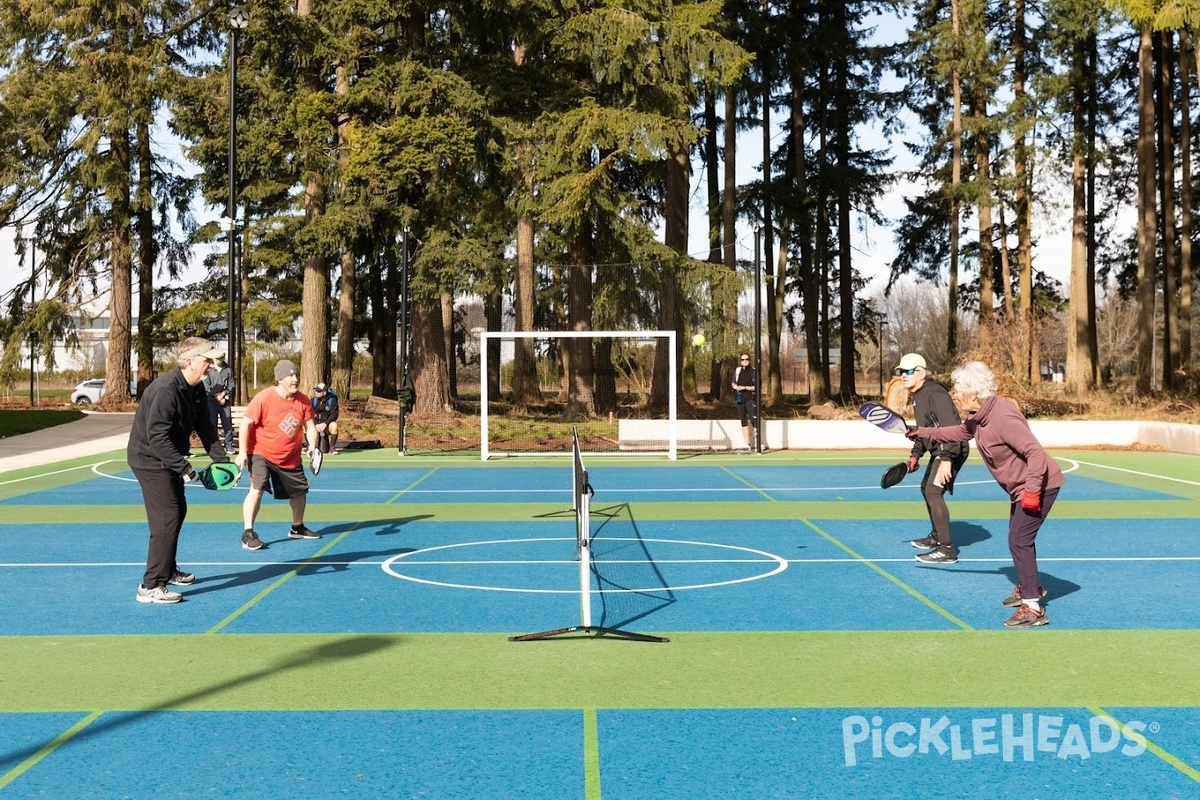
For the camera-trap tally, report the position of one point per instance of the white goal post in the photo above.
(670, 434)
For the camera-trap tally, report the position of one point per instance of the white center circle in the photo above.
(394, 566)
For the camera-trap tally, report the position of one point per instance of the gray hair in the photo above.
(188, 349)
(974, 378)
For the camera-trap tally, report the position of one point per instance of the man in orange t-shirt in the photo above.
(272, 435)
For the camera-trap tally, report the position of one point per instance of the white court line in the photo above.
(508, 562)
(1136, 472)
(48, 474)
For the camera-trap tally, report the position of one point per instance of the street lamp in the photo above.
(882, 323)
(239, 20)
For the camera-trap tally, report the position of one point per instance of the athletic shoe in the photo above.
(939, 555)
(250, 541)
(1026, 617)
(180, 578)
(302, 532)
(924, 544)
(159, 594)
(1014, 598)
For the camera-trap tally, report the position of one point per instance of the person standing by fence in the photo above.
(218, 385)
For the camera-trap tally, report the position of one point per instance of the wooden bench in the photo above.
(236, 412)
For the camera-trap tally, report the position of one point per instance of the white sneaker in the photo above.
(159, 594)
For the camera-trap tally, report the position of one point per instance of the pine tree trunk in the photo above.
(1081, 368)
(675, 234)
(1185, 217)
(147, 256)
(579, 373)
(1147, 227)
(725, 349)
(987, 250)
(343, 363)
(1026, 364)
(1164, 61)
(314, 349)
(526, 389)
(818, 387)
(429, 370)
(955, 183)
(120, 309)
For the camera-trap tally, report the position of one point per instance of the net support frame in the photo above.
(582, 489)
(672, 381)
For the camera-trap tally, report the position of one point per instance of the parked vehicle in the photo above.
(90, 391)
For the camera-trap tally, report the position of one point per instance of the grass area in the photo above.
(17, 421)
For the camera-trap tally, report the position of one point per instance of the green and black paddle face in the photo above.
(220, 477)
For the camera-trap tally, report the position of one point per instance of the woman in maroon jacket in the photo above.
(1019, 464)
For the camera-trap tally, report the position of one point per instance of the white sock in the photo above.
(1034, 604)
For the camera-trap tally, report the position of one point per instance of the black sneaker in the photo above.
(1014, 597)
(302, 532)
(940, 555)
(927, 543)
(250, 541)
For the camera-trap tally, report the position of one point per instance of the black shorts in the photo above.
(282, 482)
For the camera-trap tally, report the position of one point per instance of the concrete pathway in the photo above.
(97, 432)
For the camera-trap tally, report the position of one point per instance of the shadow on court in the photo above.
(1055, 587)
(332, 562)
(965, 534)
(340, 650)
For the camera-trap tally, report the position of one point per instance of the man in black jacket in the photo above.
(170, 409)
(933, 408)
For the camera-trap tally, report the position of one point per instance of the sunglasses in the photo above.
(907, 371)
(743, 359)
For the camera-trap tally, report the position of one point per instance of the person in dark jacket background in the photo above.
(170, 409)
(218, 384)
(325, 414)
(933, 408)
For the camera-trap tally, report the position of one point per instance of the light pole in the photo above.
(882, 323)
(239, 20)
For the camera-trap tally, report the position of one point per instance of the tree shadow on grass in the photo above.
(330, 652)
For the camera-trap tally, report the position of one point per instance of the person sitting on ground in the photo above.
(325, 411)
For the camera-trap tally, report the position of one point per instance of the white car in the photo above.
(90, 391)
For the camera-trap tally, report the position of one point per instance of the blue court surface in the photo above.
(411, 554)
(491, 483)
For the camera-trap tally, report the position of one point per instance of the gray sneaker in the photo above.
(924, 544)
(941, 555)
(180, 578)
(250, 541)
(159, 594)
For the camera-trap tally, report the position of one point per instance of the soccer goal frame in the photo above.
(671, 422)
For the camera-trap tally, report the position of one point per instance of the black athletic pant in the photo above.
(166, 506)
(935, 504)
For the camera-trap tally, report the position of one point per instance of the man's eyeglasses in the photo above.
(907, 371)
(743, 359)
